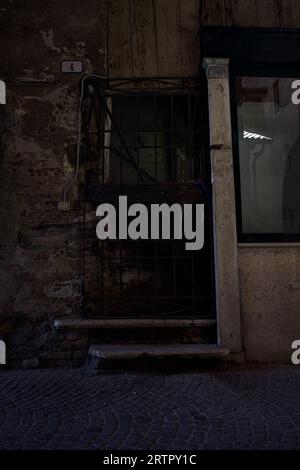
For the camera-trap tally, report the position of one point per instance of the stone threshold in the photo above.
(118, 323)
(107, 352)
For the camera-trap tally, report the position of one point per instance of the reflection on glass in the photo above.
(269, 152)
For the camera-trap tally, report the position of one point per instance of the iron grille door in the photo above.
(144, 139)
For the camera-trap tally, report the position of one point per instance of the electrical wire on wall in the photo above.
(65, 204)
(74, 176)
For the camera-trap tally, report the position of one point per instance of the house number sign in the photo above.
(71, 66)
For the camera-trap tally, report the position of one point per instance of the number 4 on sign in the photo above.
(71, 66)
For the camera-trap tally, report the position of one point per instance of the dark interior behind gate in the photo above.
(145, 139)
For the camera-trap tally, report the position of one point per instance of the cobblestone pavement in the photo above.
(229, 409)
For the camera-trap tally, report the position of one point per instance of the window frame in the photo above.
(260, 52)
(279, 70)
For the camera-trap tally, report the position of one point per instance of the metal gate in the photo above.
(146, 139)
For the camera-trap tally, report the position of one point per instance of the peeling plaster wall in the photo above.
(40, 247)
(40, 264)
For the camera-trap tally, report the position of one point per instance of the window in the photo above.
(158, 133)
(266, 127)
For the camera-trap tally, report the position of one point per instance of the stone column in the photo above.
(224, 214)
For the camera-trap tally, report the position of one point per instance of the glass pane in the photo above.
(269, 152)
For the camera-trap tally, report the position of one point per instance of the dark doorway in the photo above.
(144, 139)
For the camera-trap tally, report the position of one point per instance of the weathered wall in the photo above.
(269, 276)
(40, 247)
(251, 13)
(40, 265)
(40, 258)
(155, 38)
(270, 298)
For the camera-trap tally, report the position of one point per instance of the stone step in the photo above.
(119, 323)
(109, 352)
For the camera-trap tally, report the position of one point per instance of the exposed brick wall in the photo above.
(40, 259)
